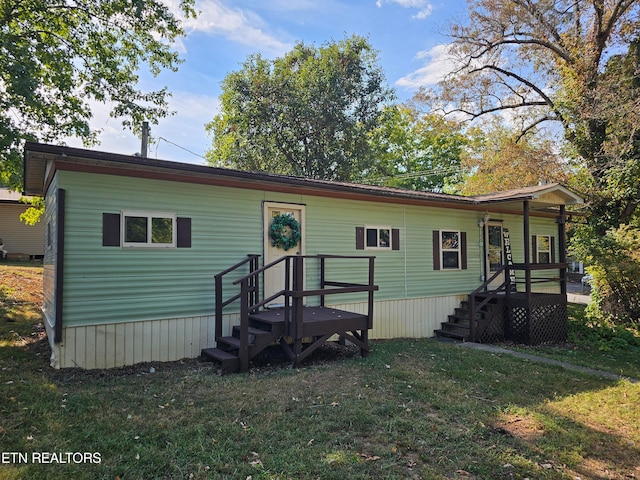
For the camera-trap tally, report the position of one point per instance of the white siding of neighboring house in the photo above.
(19, 238)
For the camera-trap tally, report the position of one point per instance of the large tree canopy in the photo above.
(417, 151)
(307, 113)
(569, 61)
(499, 159)
(56, 56)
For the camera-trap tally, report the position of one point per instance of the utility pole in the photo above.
(145, 139)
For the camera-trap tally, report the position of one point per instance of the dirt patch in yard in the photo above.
(522, 427)
(21, 284)
(20, 305)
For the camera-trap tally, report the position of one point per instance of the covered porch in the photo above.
(506, 306)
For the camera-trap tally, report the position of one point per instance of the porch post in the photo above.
(297, 322)
(562, 247)
(527, 250)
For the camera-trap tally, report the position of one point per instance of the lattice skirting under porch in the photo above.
(542, 319)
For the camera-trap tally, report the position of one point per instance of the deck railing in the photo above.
(293, 293)
(488, 296)
(252, 261)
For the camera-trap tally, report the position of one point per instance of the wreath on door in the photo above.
(284, 232)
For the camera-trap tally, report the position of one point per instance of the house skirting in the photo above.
(128, 343)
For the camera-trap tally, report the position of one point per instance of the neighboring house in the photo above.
(133, 246)
(17, 239)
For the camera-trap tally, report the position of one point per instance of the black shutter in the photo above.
(184, 232)
(534, 249)
(359, 238)
(553, 250)
(463, 250)
(395, 239)
(110, 229)
(436, 250)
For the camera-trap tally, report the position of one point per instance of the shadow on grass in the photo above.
(412, 409)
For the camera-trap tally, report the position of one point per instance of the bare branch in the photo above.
(547, 100)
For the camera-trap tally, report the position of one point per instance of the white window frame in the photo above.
(149, 215)
(540, 250)
(457, 250)
(377, 228)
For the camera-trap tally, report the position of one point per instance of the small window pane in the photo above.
(543, 243)
(135, 230)
(544, 248)
(450, 260)
(161, 230)
(384, 238)
(372, 237)
(450, 240)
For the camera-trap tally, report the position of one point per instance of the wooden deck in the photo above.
(316, 321)
(299, 329)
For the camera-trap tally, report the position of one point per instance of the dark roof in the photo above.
(37, 156)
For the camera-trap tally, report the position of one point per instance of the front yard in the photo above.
(412, 409)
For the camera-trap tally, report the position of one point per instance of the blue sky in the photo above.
(408, 35)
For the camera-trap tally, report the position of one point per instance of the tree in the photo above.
(572, 62)
(500, 159)
(416, 151)
(561, 61)
(56, 56)
(306, 114)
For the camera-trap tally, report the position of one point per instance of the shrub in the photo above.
(615, 265)
(587, 331)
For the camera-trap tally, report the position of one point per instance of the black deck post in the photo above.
(371, 284)
(322, 279)
(218, 330)
(527, 251)
(255, 282)
(562, 246)
(243, 351)
(298, 282)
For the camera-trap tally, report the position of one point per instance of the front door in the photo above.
(274, 278)
(494, 252)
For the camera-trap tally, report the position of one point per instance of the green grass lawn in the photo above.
(412, 409)
(595, 346)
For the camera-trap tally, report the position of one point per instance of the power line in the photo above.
(179, 146)
(426, 173)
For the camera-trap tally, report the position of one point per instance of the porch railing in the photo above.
(252, 261)
(293, 292)
(488, 296)
(483, 295)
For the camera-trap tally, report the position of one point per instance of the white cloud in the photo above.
(179, 135)
(235, 24)
(424, 7)
(438, 62)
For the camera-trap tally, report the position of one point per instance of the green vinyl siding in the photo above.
(114, 284)
(331, 230)
(422, 279)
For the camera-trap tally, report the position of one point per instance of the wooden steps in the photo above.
(458, 326)
(229, 362)
(261, 335)
(266, 327)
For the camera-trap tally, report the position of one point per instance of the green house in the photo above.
(134, 246)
